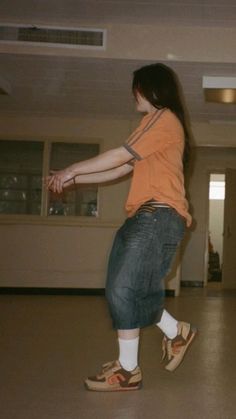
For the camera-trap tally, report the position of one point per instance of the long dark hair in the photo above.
(159, 84)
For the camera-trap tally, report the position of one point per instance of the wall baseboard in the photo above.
(60, 291)
(192, 284)
(170, 293)
(51, 291)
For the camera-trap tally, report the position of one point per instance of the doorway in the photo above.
(216, 228)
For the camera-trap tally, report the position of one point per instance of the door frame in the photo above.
(206, 257)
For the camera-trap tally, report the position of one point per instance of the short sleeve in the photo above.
(162, 129)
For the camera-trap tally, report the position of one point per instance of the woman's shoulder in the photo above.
(170, 115)
(161, 119)
(171, 120)
(171, 126)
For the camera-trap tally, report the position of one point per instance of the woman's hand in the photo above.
(58, 180)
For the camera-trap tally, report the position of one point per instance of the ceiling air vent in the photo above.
(54, 36)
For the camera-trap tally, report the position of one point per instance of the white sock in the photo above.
(168, 325)
(128, 353)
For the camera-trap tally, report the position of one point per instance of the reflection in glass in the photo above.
(80, 199)
(20, 177)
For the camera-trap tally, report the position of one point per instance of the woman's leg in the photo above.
(123, 374)
(128, 348)
(168, 325)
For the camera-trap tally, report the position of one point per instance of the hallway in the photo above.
(48, 344)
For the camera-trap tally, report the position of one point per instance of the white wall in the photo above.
(57, 256)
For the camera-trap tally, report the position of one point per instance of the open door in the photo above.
(216, 227)
(229, 236)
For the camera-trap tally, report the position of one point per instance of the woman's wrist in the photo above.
(70, 173)
(73, 171)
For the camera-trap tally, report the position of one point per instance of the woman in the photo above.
(144, 247)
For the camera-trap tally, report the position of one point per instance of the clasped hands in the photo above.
(58, 180)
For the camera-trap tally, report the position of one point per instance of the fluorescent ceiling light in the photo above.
(216, 82)
(219, 89)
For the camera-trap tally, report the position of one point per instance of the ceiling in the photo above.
(196, 12)
(98, 87)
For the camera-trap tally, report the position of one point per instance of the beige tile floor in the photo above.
(48, 344)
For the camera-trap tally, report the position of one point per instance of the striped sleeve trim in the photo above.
(137, 135)
(131, 151)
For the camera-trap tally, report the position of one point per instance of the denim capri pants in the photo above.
(141, 257)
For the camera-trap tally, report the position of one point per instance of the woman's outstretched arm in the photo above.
(103, 162)
(101, 177)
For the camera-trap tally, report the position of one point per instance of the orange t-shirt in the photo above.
(157, 146)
